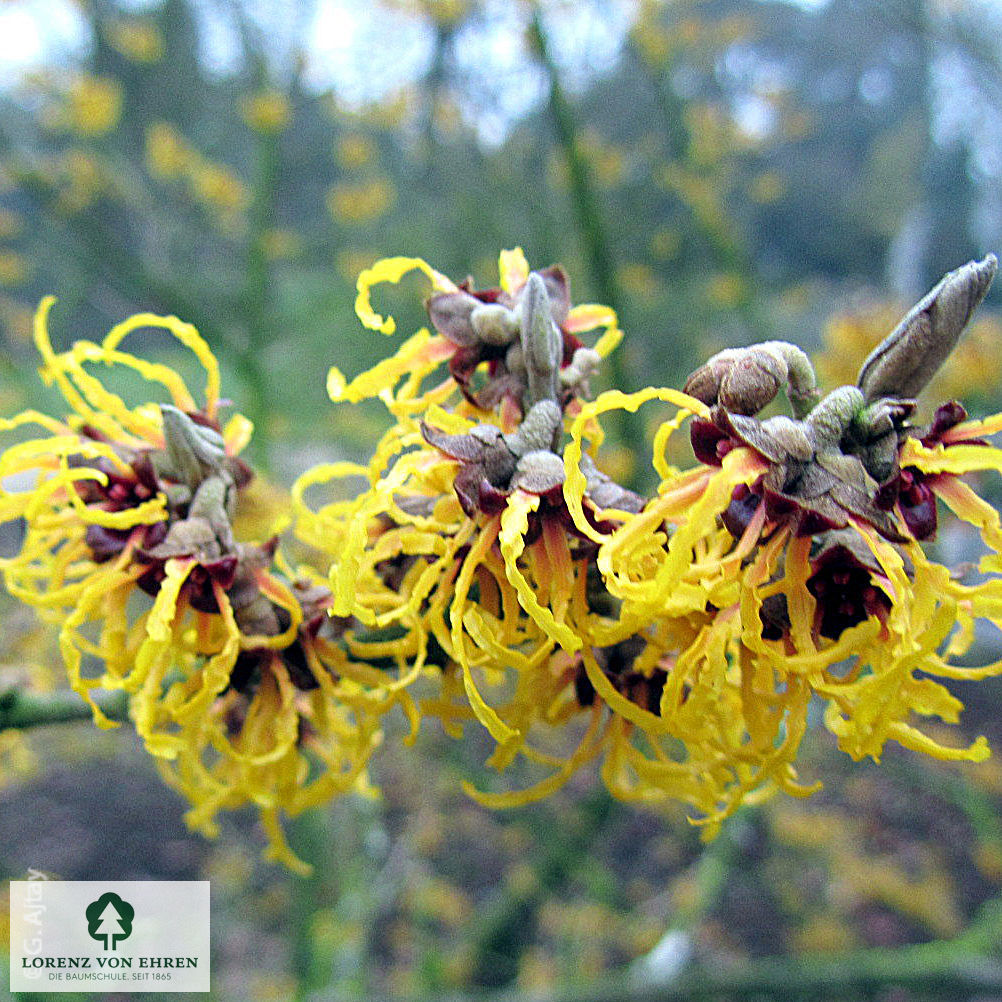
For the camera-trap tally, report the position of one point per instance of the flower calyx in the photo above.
(493, 464)
(192, 451)
(201, 485)
(520, 335)
(812, 483)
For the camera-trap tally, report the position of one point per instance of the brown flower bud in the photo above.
(751, 382)
(704, 383)
(904, 362)
(744, 380)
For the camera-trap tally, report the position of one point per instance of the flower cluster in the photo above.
(692, 631)
(482, 568)
(132, 544)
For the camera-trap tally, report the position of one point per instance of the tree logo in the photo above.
(110, 919)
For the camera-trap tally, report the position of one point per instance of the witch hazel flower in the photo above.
(463, 539)
(477, 331)
(815, 522)
(235, 681)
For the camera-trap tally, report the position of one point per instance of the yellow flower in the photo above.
(861, 620)
(167, 154)
(138, 40)
(94, 105)
(688, 634)
(267, 111)
(236, 682)
(361, 201)
(471, 539)
(423, 353)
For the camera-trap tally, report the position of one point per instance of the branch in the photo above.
(20, 710)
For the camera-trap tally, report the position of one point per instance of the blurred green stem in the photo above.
(20, 710)
(588, 217)
(309, 841)
(256, 301)
(507, 926)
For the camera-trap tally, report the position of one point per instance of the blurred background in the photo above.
(719, 171)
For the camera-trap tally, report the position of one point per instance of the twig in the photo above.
(21, 710)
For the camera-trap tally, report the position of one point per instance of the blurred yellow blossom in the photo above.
(726, 289)
(170, 157)
(14, 268)
(17, 759)
(266, 111)
(823, 933)
(712, 133)
(649, 35)
(699, 193)
(638, 279)
(219, 187)
(355, 150)
(167, 154)
(136, 39)
(360, 201)
(443, 12)
(81, 178)
(94, 105)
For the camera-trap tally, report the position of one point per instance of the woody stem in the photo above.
(20, 710)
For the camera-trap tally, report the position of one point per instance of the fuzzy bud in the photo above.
(494, 324)
(192, 451)
(744, 380)
(539, 472)
(904, 362)
(831, 418)
(583, 365)
(542, 343)
(751, 382)
(538, 430)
